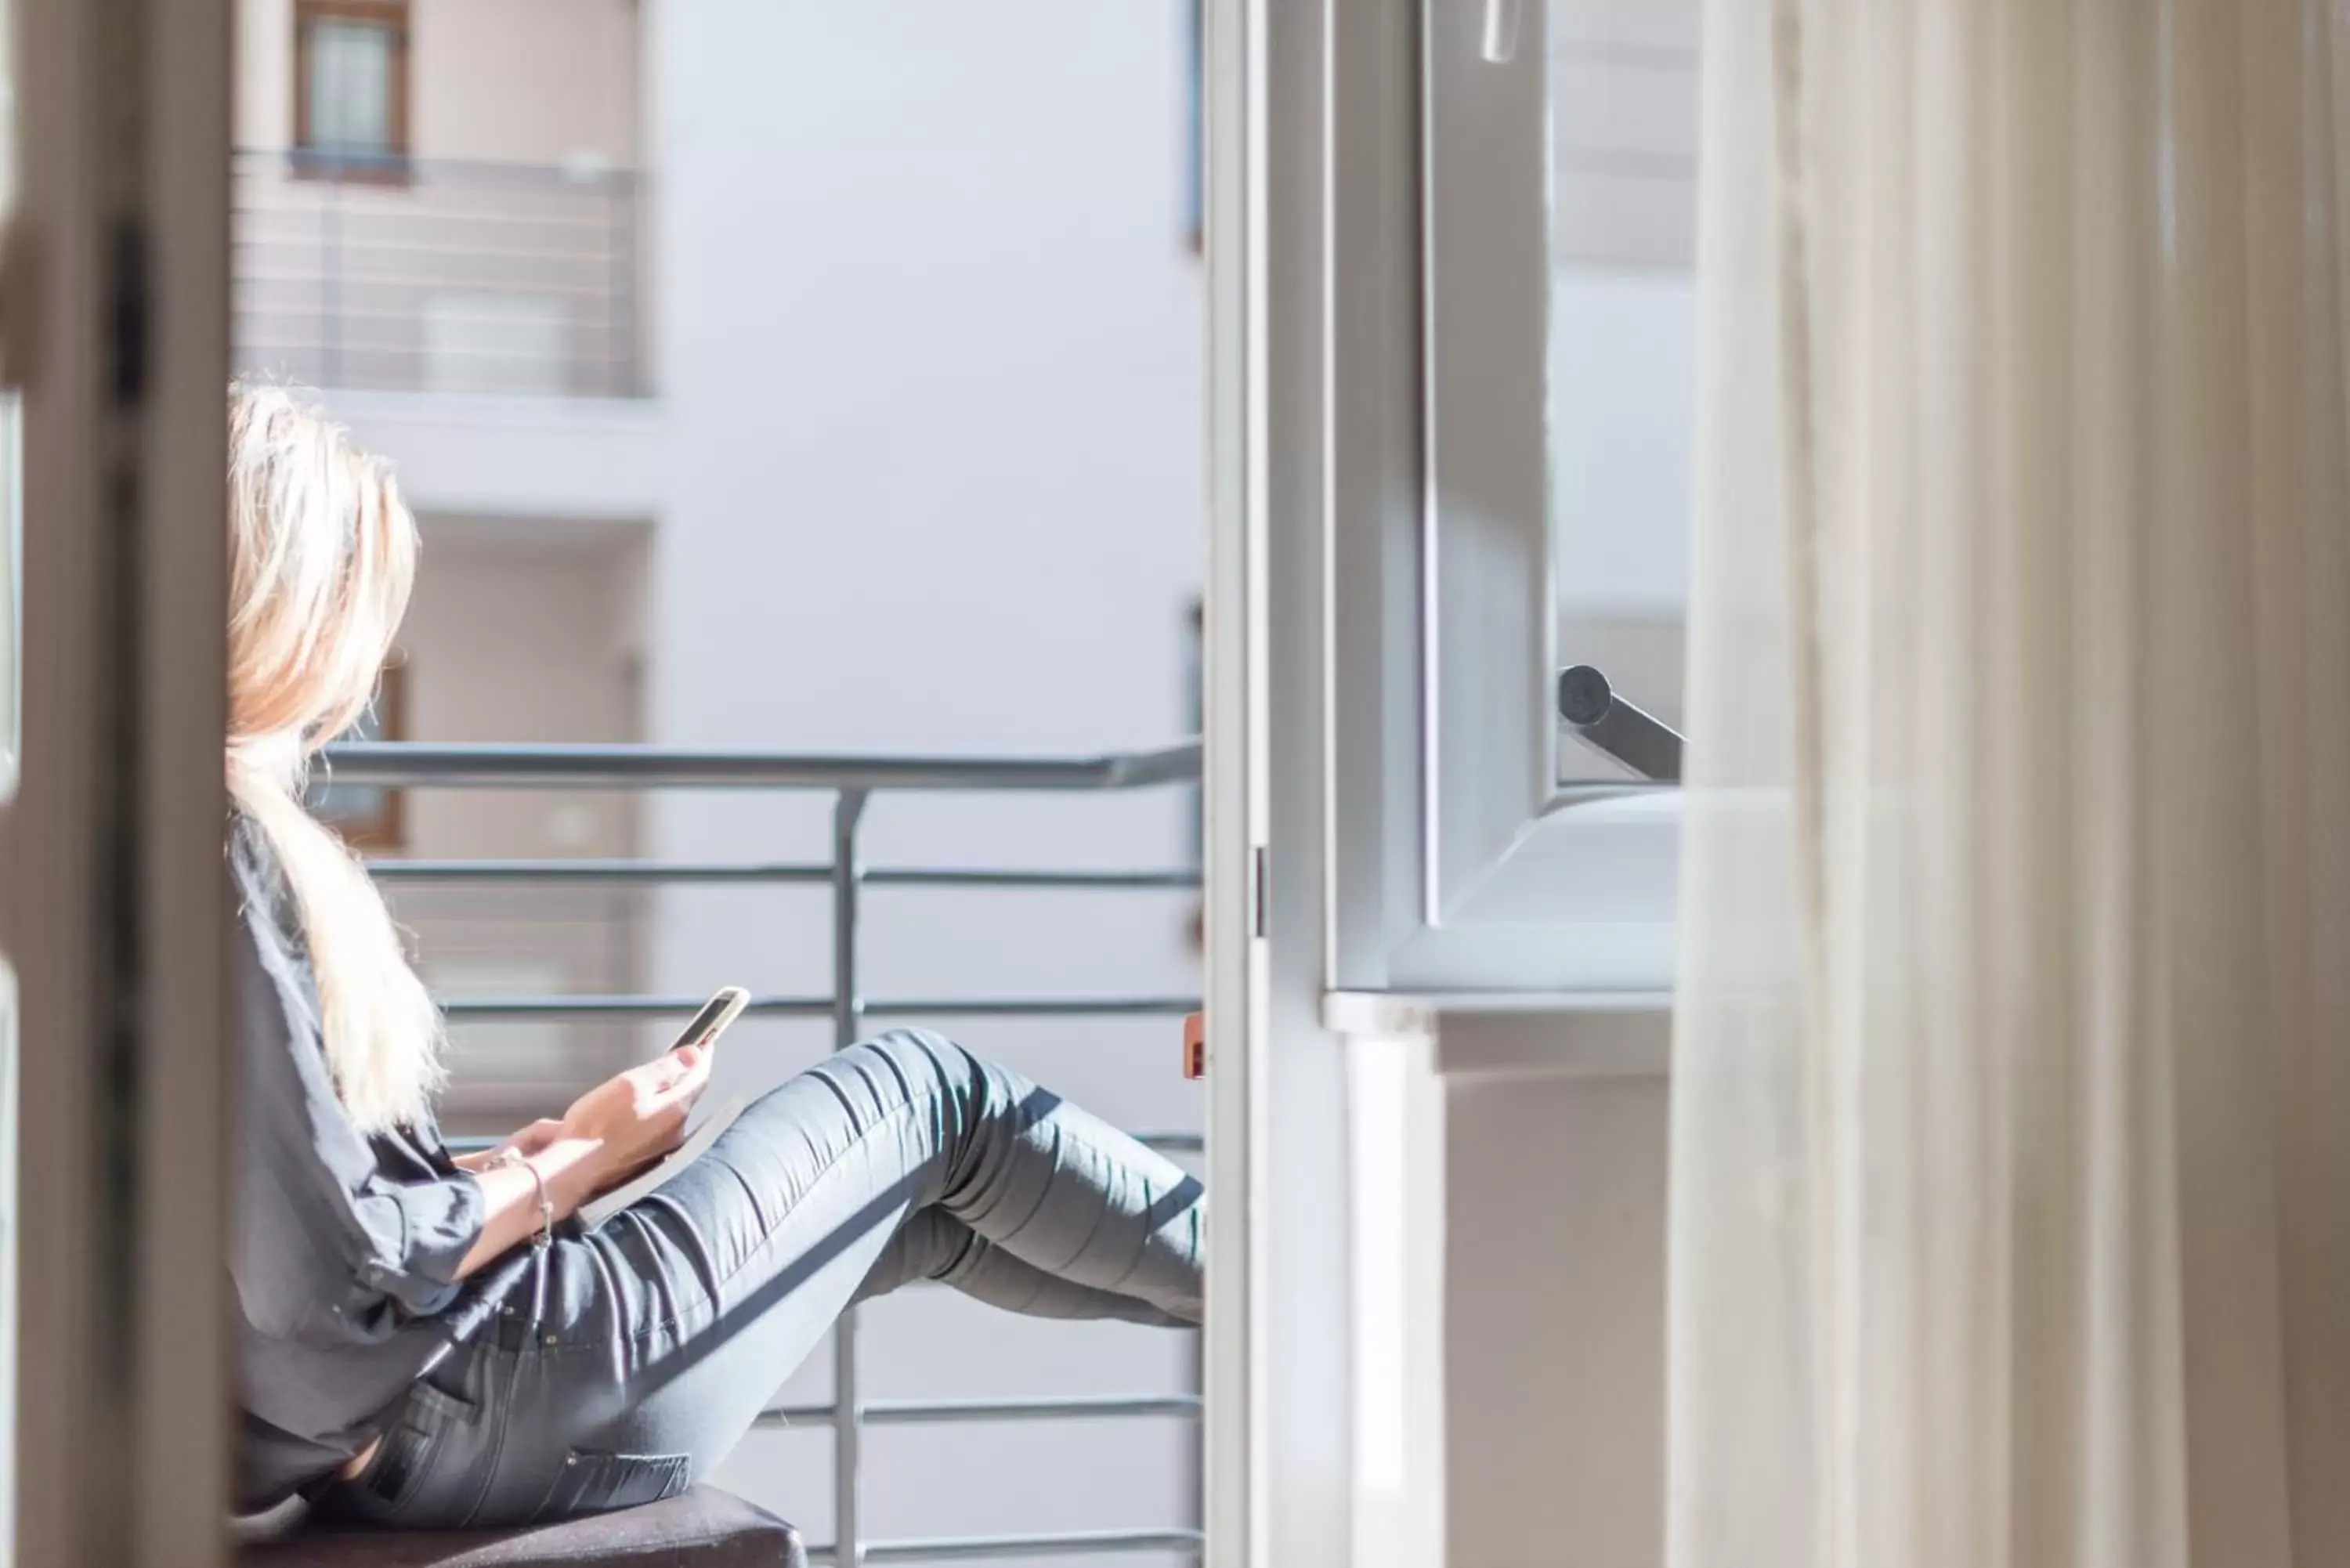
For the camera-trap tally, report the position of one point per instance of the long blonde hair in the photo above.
(321, 556)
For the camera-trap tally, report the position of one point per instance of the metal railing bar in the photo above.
(550, 1009)
(389, 262)
(944, 1412)
(264, 329)
(1166, 1143)
(419, 350)
(277, 250)
(1172, 1143)
(414, 213)
(986, 1548)
(553, 175)
(596, 321)
(280, 197)
(285, 231)
(848, 1023)
(1032, 1007)
(414, 282)
(271, 216)
(585, 1009)
(252, 344)
(915, 876)
(585, 869)
(453, 765)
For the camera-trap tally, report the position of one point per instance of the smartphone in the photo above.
(716, 1014)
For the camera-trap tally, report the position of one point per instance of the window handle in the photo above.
(1502, 30)
(1601, 720)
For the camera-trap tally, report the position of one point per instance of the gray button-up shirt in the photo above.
(344, 1247)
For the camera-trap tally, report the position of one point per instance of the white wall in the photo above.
(1553, 1311)
(529, 632)
(594, 461)
(932, 340)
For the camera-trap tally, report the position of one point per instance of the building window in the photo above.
(350, 87)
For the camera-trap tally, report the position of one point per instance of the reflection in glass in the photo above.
(1623, 210)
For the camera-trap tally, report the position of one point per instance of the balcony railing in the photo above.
(851, 780)
(437, 275)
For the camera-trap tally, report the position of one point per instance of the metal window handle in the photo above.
(1502, 30)
(1643, 743)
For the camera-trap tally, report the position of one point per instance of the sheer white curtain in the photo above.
(2011, 1121)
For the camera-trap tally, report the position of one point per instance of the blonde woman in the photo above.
(425, 1342)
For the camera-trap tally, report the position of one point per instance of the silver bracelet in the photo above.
(546, 1236)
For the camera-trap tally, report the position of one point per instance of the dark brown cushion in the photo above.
(700, 1528)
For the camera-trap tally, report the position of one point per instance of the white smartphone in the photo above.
(716, 1014)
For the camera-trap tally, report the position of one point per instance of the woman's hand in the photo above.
(532, 1140)
(610, 1133)
(631, 1120)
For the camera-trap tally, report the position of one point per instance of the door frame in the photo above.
(113, 902)
(1233, 780)
(1279, 1344)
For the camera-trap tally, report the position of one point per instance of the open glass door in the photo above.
(113, 317)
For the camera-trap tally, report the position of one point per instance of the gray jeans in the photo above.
(625, 1362)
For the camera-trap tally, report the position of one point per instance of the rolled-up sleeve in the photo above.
(327, 1241)
(416, 1234)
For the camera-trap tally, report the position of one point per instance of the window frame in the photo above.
(1459, 866)
(308, 161)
